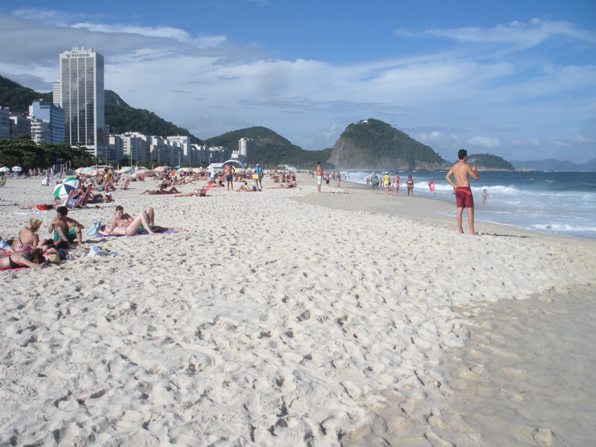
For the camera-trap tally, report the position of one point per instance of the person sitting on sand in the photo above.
(64, 228)
(34, 259)
(28, 235)
(243, 188)
(124, 225)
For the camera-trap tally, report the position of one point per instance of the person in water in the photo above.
(461, 173)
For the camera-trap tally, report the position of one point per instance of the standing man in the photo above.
(229, 175)
(461, 172)
(319, 175)
(259, 178)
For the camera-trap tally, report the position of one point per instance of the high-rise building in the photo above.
(53, 116)
(247, 150)
(57, 93)
(82, 99)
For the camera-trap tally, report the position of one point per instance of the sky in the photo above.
(511, 78)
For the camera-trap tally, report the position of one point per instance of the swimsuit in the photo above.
(12, 264)
(319, 179)
(463, 197)
(71, 236)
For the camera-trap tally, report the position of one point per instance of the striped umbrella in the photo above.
(63, 189)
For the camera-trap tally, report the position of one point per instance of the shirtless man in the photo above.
(124, 225)
(462, 172)
(229, 174)
(319, 175)
(64, 228)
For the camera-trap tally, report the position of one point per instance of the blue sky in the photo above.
(511, 78)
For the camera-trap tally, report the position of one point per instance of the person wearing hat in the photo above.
(387, 182)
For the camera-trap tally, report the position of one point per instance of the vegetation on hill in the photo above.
(490, 162)
(18, 98)
(120, 117)
(25, 153)
(373, 144)
(272, 149)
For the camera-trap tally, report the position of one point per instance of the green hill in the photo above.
(490, 162)
(373, 144)
(18, 98)
(272, 149)
(121, 117)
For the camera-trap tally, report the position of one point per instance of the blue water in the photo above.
(550, 202)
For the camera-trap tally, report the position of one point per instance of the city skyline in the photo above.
(514, 80)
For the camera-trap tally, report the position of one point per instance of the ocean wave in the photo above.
(565, 228)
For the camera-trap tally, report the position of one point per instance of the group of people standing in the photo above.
(458, 177)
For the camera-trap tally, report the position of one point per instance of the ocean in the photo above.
(561, 203)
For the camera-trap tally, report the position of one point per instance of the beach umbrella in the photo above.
(4, 169)
(161, 169)
(127, 170)
(79, 170)
(91, 170)
(145, 172)
(16, 169)
(63, 189)
(184, 170)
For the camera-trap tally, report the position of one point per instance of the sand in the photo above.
(289, 317)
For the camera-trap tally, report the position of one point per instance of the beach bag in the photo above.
(94, 228)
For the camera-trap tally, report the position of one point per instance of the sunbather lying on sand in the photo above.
(124, 225)
(161, 190)
(15, 260)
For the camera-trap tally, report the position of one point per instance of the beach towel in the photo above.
(160, 230)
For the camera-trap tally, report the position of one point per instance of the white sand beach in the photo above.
(289, 318)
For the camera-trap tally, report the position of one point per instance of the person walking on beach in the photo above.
(461, 172)
(319, 175)
(387, 182)
(396, 180)
(259, 178)
(484, 196)
(410, 185)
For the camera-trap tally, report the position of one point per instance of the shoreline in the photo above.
(422, 210)
(260, 304)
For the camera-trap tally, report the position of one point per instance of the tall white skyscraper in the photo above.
(82, 99)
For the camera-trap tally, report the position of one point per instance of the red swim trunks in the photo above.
(463, 197)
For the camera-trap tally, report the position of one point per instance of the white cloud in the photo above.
(484, 142)
(525, 142)
(521, 34)
(163, 32)
(211, 85)
(575, 140)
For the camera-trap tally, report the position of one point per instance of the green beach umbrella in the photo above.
(63, 189)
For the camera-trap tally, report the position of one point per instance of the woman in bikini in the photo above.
(28, 235)
(16, 260)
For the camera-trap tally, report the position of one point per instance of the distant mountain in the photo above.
(490, 162)
(373, 144)
(272, 149)
(554, 165)
(589, 165)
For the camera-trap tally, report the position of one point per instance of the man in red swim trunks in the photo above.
(461, 172)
